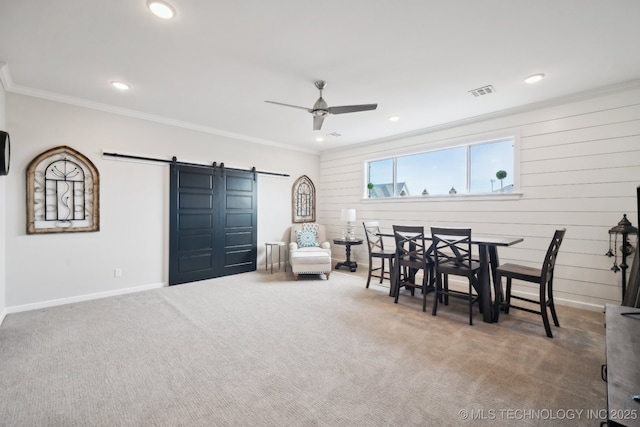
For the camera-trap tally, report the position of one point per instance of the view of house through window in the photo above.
(480, 168)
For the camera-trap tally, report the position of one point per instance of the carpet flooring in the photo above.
(261, 349)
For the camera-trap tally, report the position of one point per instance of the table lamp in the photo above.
(348, 215)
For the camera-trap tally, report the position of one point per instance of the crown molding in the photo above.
(10, 86)
(5, 77)
(578, 96)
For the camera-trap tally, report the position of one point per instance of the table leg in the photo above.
(395, 276)
(268, 256)
(497, 286)
(271, 259)
(485, 286)
(352, 265)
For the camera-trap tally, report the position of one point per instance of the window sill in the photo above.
(447, 198)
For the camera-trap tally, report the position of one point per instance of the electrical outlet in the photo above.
(117, 272)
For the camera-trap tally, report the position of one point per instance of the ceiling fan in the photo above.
(320, 109)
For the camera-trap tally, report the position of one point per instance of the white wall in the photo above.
(3, 217)
(134, 197)
(580, 166)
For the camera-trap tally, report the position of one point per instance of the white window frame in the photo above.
(452, 143)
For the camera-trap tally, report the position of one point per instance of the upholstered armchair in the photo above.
(309, 252)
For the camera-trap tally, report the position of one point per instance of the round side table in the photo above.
(351, 265)
(269, 246)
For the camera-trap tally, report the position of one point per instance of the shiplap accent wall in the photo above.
(579, 164)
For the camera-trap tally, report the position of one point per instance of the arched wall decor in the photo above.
(303, 200)
(63, 193)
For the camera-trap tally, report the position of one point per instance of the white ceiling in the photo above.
(213, 66)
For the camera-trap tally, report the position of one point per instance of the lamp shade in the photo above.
(624, 226)
(348, 214)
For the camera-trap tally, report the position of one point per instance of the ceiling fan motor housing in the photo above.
(321, 109)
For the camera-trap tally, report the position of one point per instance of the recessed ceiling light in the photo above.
(534, 78)
(319, 139)
(161, 9)
(120, 85)
(394, 118)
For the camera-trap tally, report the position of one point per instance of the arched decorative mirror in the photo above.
(62, 193)
(303, 200)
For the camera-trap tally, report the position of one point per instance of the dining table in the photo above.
(489, 261)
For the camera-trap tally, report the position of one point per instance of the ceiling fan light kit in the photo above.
(321, 109)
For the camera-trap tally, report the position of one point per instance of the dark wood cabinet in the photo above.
(622, 370)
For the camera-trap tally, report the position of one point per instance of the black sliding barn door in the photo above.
(212, 223)
(238, 222)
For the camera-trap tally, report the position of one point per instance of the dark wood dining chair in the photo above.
(377, 251)
(452, 255)
(543, 276)
(413, 253)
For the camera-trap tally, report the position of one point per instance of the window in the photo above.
(381, 181)
(486, 160)
(465, 169)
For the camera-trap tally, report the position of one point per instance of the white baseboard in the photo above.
(3, 315)
(558, 301)
(566, 302)
(80, 298)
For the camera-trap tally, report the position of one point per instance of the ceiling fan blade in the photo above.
(317, 123)
(289, 105)
(352, 108)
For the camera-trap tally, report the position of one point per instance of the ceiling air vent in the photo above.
(485, 90)
(334, 134)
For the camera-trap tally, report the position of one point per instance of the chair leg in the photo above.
(507, 296)
(553, 314)
(436, 295)
(553, 306)
(398, 281)
(446, 289)
(545, 320)
(432, 276)
(500, 295)
(370, 270)
(543, 310)
(425, 281)
(470, 304)
(439, 295)
(382, 270)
